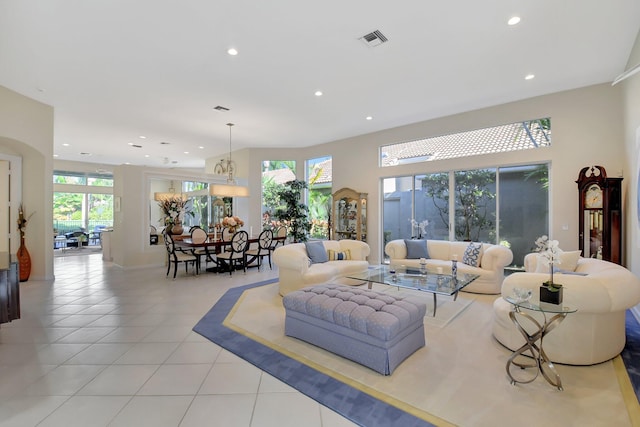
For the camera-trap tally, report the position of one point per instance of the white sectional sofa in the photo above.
(601, 291)
(296, 270)
(492, 261)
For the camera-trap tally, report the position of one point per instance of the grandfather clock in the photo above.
(600, 214)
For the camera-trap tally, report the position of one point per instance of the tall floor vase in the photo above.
(24, 261)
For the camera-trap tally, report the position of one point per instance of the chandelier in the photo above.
(171, 194)
(231, 188)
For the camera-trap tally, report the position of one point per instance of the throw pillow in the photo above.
(416, 249)
(316, 252)
(339, 256)
(472, 254)
(568, 262)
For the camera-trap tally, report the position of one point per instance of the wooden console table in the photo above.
(9, 289)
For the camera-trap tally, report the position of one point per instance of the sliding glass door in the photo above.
(506, 205)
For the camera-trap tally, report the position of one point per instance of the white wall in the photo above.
(631, 102)
(26, 130)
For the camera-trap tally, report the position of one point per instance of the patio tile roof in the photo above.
(495, 139)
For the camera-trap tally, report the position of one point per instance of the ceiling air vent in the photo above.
(375, 38)
(220, 108)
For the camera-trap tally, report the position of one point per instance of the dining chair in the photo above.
(265, 239)
(175, 256)
(236, 254)
(280, 236)
(198, 235)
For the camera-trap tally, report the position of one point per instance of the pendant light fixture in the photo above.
(169, 195)
(231, 188)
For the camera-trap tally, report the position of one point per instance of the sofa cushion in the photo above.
(320, 273)
(416, 249)
(316, 252)
(568, 262)
(472, 254)
(339, 256)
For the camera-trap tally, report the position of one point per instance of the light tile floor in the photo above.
(105, 347)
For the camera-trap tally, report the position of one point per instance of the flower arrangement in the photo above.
(232, 222)
(22, 221)
(174, 208)
(550, 253)
(319, 229)
(421, 226)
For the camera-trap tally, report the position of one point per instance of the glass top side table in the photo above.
(533, 340)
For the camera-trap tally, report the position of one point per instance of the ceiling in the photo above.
(116, 70)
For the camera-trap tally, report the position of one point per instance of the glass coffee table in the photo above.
(426, 280)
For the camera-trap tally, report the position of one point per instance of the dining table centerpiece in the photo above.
(233, 223)
(549, 253)
(174, 209)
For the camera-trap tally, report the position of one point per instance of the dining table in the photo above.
(214, 245)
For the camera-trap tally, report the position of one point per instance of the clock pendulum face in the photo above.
(593, 197)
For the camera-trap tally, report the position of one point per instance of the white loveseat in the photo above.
(296, 270)
(601, 291)
(493, 260)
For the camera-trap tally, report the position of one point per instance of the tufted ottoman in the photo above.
(374, 329)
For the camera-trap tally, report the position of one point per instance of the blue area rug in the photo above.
(349, 402)
(355, 405)
(631, 352)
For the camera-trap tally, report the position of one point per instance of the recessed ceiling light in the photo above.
(186, 152)
(201, 147)
(146, 155)
(529, 76)
(232, 51)
(318, 93)
(142, 137)
(369, 118)
(513, 20)
(65, 145)
(55, 155)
